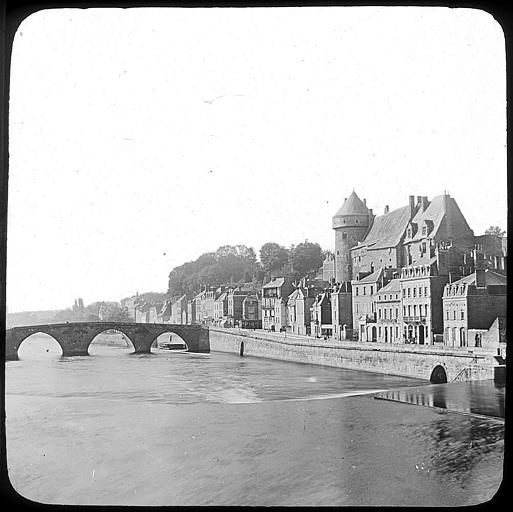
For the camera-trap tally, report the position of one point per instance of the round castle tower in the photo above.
(351, 224)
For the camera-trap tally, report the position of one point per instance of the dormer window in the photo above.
(424, 230)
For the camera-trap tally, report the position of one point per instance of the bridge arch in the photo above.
(438, 375)
(39, 344)
(123, 341)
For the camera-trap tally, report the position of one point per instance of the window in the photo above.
(414, 310)
(379, 313)
(425, 291)
(447, 315)
(344, 236)
(454, 314)
(409, 310)
(356, 288)
(420, 291)
(364, 290)
(409, 292)
(414, 292)
(424, 232)
(404, 293)
(397, 312)
(371, 290)
(462, 315)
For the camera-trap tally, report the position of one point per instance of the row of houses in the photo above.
(224, 306)
(416, 274)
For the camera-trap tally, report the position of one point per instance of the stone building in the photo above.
(320, 312)
(251, 312)
(471, 305)
(191, 311)
(351, 223)
(328, 267)
(274, 303)
(389, 316)
(300, 302)
(422, 288)
(436, 222)
(364, 288)
(236, 297)
(341, 310)
(179, 313)
(492, 252)
(153, 312)
(165, 313)
(221, 310)
(382, 246)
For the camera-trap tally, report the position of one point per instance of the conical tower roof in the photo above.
(353, 205)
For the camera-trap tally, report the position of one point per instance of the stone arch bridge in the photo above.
(75, 338)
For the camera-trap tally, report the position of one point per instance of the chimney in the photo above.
(387, 209)
(424, 203)
(480, 278)
(365, 201)
(412, 206)
(478, 260)
(419, 199)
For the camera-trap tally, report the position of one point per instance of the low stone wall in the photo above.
(407, 361)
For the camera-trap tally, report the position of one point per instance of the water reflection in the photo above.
(455, 448)
(477, 397)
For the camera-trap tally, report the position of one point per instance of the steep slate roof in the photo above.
(387, 230)
(375, 276)
(392, 287)
(279, 281)
(492, 278)
(293, 297)
(353, 205)
(223, 296)
(437, 212)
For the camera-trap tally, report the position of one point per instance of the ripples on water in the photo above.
(176, 428)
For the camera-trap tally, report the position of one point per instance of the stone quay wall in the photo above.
(404, 360)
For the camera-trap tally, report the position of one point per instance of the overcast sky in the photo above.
(141, 138)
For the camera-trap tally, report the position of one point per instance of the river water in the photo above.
(176, 428)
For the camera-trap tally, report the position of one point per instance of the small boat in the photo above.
(168, 345)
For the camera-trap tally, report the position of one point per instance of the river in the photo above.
(176, 428)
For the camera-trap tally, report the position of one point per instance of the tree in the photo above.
(306, 257)
(228, 264)
(273, 257)
(495, 230)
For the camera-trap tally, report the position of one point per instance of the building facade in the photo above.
(389, 318)
(274, 303)
(471, 305)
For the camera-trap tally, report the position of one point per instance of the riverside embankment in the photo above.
(419, 361)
